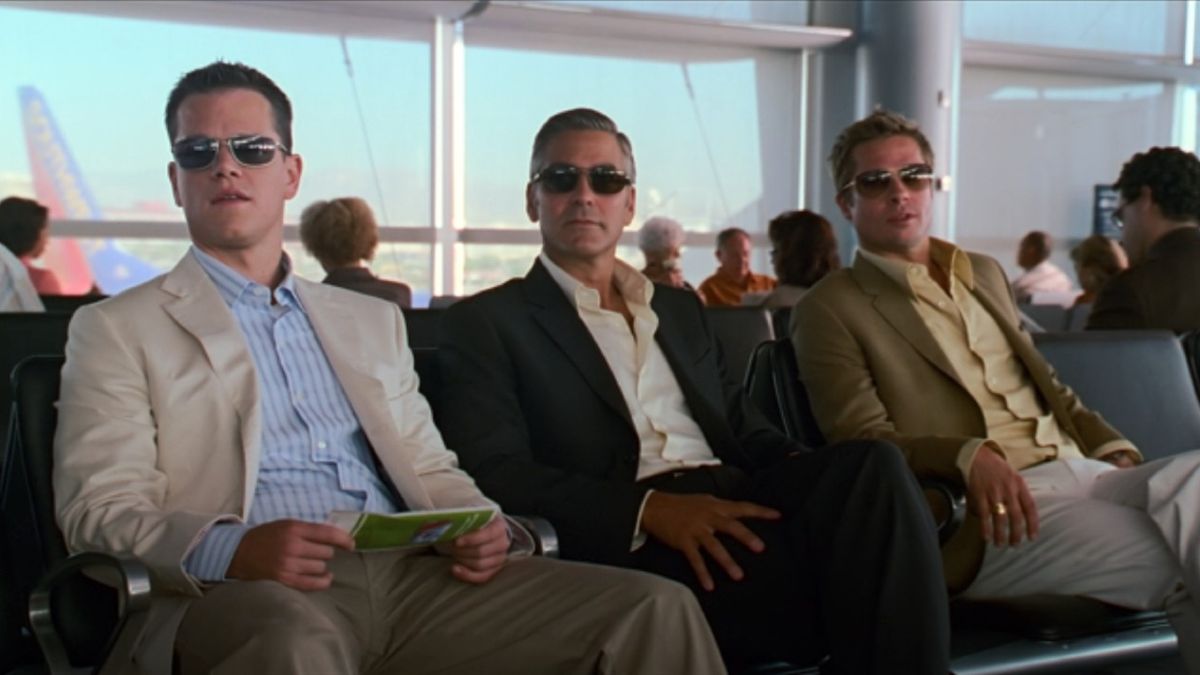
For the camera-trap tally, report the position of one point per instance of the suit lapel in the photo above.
(555, 314)
(897, 309)
(199, 309)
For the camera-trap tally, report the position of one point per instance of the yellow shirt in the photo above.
(721, 291)
(1017, 422)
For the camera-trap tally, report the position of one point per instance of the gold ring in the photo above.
(999, 509)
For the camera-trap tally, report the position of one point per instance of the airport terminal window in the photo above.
(108, 106)
(1032, 146)
(1126, 26)
(741, 11)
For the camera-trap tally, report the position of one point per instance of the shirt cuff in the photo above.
(639, 537)
(1116, 446)
(966, 455)
(521, 542)
(209, 559)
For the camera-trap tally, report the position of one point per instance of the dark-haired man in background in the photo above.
(212, 418)
(585, 394)
(1158, 209)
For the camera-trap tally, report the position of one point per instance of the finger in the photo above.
(481, 564)
(1032, 522)
(1016, 522)
(749, 510)
(307, 582)
(324, 533)
(739, 531)
(304, 567)
(303, 548)
(983, 509)
(701, 570)
(721, 555)
(473, 576)
(492, 532)
(488, 550)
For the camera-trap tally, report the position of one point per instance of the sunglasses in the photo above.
(562, 178)
(200, 152)
(872, 184)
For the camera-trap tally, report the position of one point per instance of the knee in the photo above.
(658, 596)
(284, 621)
(873, 457)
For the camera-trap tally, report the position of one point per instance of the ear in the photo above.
(173, 175)
(630, 205)
(845, 201)
(531, 202)
(294, 166)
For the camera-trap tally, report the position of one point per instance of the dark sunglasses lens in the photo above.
(917, 176)
(872, 183)
(607, 181)
(559, 180)
(196, 154)
(253, 151)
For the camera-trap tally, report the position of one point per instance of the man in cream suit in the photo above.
(211, 419)
(917, 343)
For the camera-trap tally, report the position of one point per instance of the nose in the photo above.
(897, 190)
(225, 164)
(583, 192)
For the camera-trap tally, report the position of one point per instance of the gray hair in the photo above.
(578, 119)
(660, 234)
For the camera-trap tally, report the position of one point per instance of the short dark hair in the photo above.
(578, 119)
(21, 224)
(222, 75)
(877, 125)
(1039, 243)
(805, 247)
(728, 233)
(1173, 176)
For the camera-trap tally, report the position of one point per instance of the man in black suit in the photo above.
(585, 394)
(1158, 210)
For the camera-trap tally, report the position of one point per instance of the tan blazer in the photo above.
(873, 370)
(159, 427)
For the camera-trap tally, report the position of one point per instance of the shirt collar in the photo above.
(943, 254)
(635, 288)
(235, 287)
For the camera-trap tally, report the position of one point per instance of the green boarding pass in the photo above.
(382, 531)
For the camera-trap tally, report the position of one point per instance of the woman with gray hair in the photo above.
(342, 235)
(660, 240)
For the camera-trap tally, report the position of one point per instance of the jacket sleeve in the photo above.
(480, 412)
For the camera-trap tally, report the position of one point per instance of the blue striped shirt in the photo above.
(315, 457)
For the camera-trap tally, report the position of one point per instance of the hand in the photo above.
(478, 556)
(292, 552)
(994, 482)
(689, 523)
(1122, 459)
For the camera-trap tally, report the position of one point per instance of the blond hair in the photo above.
(879, 124)
(339, 232)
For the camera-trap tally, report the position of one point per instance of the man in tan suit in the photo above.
(211, 419)
(918, 343)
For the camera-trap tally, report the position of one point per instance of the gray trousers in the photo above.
(388, 613)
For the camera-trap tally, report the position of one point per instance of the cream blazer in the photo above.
(873, 370)
(159, 422)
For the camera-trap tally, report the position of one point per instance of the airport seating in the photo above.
(24, 334)
(69, 303)
(79, 622)
(1041, 633)
(1077, 320)
(739, 330)
(1191, 349)
(1050, 318)
(424, 327)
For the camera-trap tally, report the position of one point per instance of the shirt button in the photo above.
(320, 445)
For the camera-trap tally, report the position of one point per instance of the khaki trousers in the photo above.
(388, 613)
(1130, 537)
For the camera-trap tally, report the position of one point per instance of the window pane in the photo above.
(672, 131)
(1033, 146)
(107, 113)
(1137, 26)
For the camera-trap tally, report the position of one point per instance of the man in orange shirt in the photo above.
(733, 277)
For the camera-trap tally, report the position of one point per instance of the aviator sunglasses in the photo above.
(872, 184)
(200, 152)
(562, 178)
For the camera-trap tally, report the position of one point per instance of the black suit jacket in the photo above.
(1161, 292)
(535, 415)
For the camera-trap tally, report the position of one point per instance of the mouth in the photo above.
(230, 197)
(902, 218)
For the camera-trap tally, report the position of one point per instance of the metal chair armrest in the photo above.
(955, 503)
(131, 581)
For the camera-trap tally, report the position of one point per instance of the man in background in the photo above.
(733, 277)
(1041, 279)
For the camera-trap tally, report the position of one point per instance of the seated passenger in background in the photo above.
(917, 343)
(25, 230)
(1159, 207)
(585, 394)
(212, 418)
(342, 235)
(1040, 276)
(660, 240)
(1097, 259)
(733, 277)
(803, 250)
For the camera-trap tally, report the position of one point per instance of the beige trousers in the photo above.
(1130, 537)
(388, 613)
